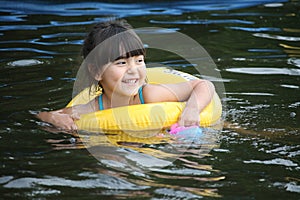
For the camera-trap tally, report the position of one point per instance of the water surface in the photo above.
(255, 45)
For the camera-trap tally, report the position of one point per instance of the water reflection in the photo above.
(159, 150)
(147, 159)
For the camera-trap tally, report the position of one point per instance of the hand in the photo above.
(59, 119)
(189, 117)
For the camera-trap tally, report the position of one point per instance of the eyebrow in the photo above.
(121, 57)
(125, 57)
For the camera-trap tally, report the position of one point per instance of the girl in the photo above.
(114, 62)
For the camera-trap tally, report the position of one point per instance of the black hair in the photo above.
(109, 41)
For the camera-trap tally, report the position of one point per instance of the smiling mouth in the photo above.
(130, 81)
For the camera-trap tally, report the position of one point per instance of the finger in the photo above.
(68, 126)
(74, 127)
(180, 123)
(190, 123)
(75, 116)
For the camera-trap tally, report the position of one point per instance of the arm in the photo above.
(65, 118)
(201, 95)
(60, 118)
(196, 93)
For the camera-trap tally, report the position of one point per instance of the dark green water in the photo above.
(256, 47)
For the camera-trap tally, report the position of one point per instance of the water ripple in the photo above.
(29, 50)
(273, 5)
(24, 63)
(204, 21)
(123, 10)
(277, 37)
(12, 18)
(291, 186)
(52, 24)
(36, 41)
(259, 29)
(5, 179)
(175, 194)
(21, 27)
(294, 61)
(290, 86)
(264, 50)
(276, 161)
(265, 71)
(184, 171)
(244, 14)
(101, 181)
(59, 35)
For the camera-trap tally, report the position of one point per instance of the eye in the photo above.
(139, 59)
(120, 62)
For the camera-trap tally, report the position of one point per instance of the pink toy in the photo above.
(175, 128)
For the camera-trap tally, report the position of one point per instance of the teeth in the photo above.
(130, 81)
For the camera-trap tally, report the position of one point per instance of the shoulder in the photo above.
(158, 92)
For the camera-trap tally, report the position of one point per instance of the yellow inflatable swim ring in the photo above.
(143, 117)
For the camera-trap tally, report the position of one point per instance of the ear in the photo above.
(94, 72)
(98, 76)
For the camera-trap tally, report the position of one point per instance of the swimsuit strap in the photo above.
(100, 99)
(141, 95)
(100, 102)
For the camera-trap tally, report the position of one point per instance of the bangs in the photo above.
(137, 52)
(125, 45)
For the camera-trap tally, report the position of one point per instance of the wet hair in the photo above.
(109, 41)
(123, 34)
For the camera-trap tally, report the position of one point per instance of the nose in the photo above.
(132, 66)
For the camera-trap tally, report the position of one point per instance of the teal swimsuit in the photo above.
(100, 98)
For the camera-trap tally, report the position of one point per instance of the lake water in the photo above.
(256, 48)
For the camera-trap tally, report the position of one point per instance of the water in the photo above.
(255, 45)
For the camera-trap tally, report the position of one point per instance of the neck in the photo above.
(113, 101)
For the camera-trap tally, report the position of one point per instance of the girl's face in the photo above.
(124, 76)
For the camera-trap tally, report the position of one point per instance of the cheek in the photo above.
(143, 72)
(112, 74)
(119, 74)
